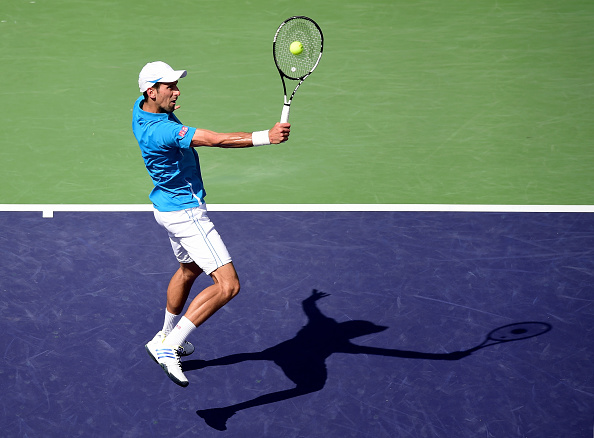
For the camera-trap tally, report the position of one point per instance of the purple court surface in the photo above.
(358, 324)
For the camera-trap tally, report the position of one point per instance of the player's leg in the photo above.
(199, 248)
(180, 285)
(177, 295)
(178, 291)
(225, 286)
(200, 242)
(206, 303)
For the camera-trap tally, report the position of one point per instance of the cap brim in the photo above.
(173, 76)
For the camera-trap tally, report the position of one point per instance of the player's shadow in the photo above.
(303, 358)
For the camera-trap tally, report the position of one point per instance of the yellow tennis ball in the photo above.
(296, 47)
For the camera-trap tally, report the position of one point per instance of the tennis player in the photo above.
(168, 150)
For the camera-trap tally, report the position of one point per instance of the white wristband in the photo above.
(260, 138)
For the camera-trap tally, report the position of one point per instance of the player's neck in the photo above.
(150, 106)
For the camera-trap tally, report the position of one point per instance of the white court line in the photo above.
(48, 210)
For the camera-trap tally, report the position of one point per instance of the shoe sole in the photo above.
(171, 376)
(146, 347)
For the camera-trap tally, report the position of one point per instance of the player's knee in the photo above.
(233, 288)
(227, 280)
(229, 289)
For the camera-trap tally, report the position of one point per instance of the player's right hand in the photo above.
(279, 133)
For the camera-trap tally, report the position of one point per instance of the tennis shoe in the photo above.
(185, 349)
(167, 356)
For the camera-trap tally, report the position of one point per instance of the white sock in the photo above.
(180, 332)
(170, 322)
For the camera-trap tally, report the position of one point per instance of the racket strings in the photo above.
(306, 32)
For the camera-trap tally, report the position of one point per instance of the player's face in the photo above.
(166, 96)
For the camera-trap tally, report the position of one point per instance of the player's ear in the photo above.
(152, 91)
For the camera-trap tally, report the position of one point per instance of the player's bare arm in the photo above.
(204, 137)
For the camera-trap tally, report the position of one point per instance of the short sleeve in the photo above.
(172, 135)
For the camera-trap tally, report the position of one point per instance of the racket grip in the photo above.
(285, 113)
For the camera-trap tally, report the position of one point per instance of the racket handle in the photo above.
(285, 113)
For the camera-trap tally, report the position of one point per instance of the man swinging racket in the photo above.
(168, 150)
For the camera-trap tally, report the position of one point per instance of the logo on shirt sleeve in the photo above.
(182, 133)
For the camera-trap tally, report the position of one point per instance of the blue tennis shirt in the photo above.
(171, 161)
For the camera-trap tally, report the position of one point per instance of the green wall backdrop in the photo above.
(488, 102)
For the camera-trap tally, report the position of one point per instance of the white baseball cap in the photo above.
(158, 71)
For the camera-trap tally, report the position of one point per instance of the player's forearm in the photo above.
(234, 140)
(203, 137)
(278, 134)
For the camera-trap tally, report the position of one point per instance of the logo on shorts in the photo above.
(183, 132)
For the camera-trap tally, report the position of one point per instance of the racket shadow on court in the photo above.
(303, 358)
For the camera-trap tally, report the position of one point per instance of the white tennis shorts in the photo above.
(193, 238)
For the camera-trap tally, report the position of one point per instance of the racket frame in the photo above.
(287, 102)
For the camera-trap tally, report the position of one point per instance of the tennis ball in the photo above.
(296, 47)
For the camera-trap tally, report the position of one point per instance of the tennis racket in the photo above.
(513, 332)
(296, 67)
